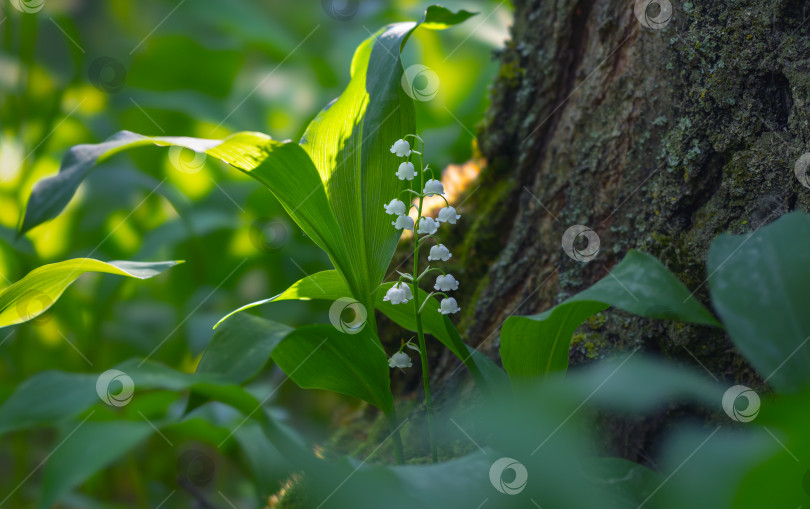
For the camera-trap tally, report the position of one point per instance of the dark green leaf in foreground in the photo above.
(760, 287)
(86, 448)
(328, 285)
(322, 357)
(533, 346)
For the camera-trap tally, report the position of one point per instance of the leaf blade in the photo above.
(43, 286)
(321, 357)
(536, 345)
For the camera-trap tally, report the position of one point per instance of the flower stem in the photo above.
(419, 330)
(394, 423)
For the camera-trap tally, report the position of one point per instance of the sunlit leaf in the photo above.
(349, 143)
(534, 346)
(39, 289)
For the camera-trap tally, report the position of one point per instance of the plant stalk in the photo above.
(399, 453)
(419, 330)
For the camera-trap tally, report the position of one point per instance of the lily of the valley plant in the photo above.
(425, 228)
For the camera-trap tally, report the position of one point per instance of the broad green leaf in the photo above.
(39, 289)
(268, 467)
(241, 347)
(536, 345)
(281, 166)
(759, 285)
(54, 396)
(328, 285)
(97, 444)
(349, 142)
(46, 398)
(321, 357)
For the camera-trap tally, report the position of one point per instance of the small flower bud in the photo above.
(449, 306)
(448, 215)
(432, 187)
(400, 293)
(401, 148)
(395, 207)
(428, 226)
(439, 252)
(446, 283)
(403, 222)
(400, 360)
(406, 171)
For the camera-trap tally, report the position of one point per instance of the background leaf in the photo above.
(98, 444)
(241, 347)
(536, 345)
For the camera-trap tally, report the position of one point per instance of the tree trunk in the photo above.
(656, 139)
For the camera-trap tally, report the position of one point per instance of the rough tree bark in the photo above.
(657, 140)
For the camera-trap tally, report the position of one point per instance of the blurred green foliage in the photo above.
(76, 71)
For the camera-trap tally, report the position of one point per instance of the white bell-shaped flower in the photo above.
(400, 360)
(406, 171)
(403, 222)
(427, 226)
(448, 215)
(400, 293)
(439, 252)
(401, 148)
(395, 207)
(446, 283)
(432, 187)
(449, 306)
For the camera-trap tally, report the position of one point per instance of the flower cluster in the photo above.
(424, 228)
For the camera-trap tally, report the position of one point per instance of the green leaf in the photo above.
(438, 17)
(241, 347)
(281, 166)
(328, 285)
(349, 142)
(536, 345)
(39, 289)
(98, 444)
(759, 286)
(321, 357)
(47, 398)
